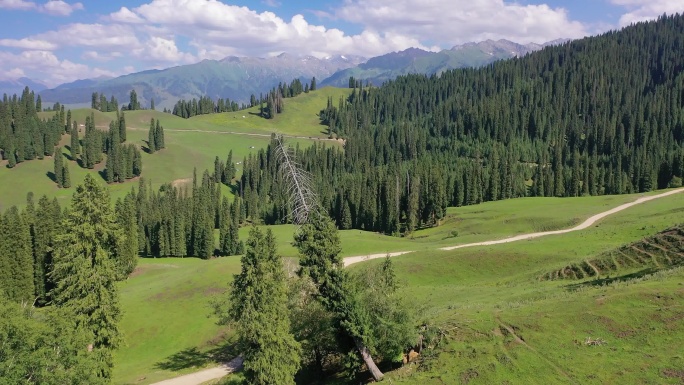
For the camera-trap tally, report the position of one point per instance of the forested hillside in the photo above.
(602, 115)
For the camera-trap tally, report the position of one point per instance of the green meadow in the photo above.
(190, 143)
(473, 296)
(497, 320)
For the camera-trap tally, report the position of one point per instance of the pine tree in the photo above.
(318, 243)
(122, 127)
(16, 273)
(66, 177)
(59, 167)
(42, 347)
(85, 272)
(159, 136)
(151, 138)
(258, 306)
(127, 249)
(229, 170)
(75, 146)
(48, 217)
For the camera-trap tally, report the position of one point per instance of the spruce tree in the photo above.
(16, 273)
(66, 177)
(122, 127)
(85, 272)
(48, 216)
(42, 348)
(59, 167)
(127, 249)
(75, 146)
(258, 306)
(151, 138)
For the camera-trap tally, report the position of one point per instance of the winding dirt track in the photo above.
(218, 372)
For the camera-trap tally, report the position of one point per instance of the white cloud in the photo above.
(642, 10)
(102, 36)
(450, 22)
(125, 15)
(13, 74)
(60, 8)
(48, 64)
(52, 7)
(17, 4)
(97, 56)
(28, 43)
(217, 30)
(158, 49)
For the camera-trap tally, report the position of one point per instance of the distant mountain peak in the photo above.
(415, 60)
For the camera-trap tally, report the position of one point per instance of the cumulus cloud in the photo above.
(28, 43)
(17, 4)
(218, 30)
(158, 49)
(60, 8)
(45, 62)
(125, 15)
(12, 74)
(52, 7)
(642, 10)
(450, 22)
(102, 36)
(101, 57)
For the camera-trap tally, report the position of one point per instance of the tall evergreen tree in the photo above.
(66, 176)
(75, 144)
(127, 249)
(85, 273)
(151, 138)
(59, 167)
(258, 306)
(16, 271)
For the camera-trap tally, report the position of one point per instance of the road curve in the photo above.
(206, 374)
(587, 223)
(218, 372)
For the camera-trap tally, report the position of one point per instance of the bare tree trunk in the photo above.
(368, 360)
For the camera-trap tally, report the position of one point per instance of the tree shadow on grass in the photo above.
(52, 176)
(598, 282)
(194, 358)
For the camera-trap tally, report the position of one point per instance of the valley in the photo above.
(488, 213)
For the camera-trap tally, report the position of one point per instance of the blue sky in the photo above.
(59, 41)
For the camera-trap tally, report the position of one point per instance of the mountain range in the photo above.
(413, 60)
(237, 78)
(16, 86)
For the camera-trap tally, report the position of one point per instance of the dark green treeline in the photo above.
(23, 135)
(601, 115)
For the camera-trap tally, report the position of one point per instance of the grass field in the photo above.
(191, 143)
(471, 292)
(482, 292)
(167, 314)
(300, 117)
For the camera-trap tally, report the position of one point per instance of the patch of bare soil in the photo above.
(673, 373)
(181, 182)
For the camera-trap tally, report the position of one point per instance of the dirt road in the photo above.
(214, 373)
(205, 375)
(587, 223)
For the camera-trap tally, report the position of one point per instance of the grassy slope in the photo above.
(185, 150)
(166, 311)
(479, 290)
(470, 287)
(299, 118)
